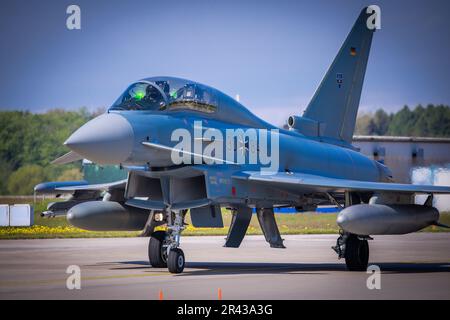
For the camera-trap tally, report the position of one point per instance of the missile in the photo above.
(377, 219)
(107, 216)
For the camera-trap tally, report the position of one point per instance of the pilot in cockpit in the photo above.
(164, 85)
(171, 94)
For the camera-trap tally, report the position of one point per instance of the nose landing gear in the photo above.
(163, 248)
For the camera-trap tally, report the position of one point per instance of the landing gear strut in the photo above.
(163, 248)
(355, 250)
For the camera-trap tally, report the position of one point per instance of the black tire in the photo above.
(356, 253)
(175, 262)
(156, 255)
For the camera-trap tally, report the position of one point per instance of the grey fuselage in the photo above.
(128, 138)
(297, 153)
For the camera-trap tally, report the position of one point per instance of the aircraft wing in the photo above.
(81, 191)
(100, 187)
(296, 182)
(53, 186)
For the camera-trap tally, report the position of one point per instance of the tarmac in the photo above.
(415, 266)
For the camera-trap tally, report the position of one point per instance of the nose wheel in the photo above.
(163, 247)
(157, 254)
(176, 261)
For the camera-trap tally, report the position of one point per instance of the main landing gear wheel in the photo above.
(157, 253)
(176, 261)
(356, 253)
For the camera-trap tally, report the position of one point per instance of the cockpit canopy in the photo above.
(167, 93)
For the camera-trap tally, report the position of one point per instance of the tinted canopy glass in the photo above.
(166, 93)
(141, 96)
(193, 96)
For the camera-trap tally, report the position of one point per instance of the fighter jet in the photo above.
(97, 184)
(188, 147)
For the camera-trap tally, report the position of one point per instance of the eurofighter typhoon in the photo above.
(188, 147)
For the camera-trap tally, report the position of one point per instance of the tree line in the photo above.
(429, 121)
(30, 141)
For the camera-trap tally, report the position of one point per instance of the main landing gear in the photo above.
(355, 250)
(163, 248)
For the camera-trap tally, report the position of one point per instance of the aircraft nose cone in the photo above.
(106, 139)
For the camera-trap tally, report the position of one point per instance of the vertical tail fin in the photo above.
(335, 103)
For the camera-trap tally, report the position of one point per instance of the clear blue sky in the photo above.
(273, 53)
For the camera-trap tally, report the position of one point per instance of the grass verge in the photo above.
(301, 223)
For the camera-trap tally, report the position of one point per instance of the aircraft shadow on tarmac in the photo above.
(224, 268)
